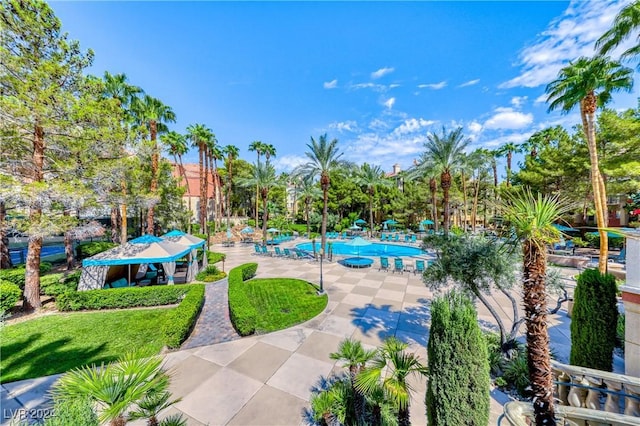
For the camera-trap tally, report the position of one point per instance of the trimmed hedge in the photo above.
(56, 284)
(180, 320)
(213, 257)
(129, 297)
(594, 319)
(92, 248)
(9, 295)
(242, 312)
(17, 275)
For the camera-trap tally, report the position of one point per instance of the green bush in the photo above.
(620, 332)
(458, 369)
(516, 373)
(92, 248)
(9, 295)
(242, 312)
(121, 297)
(72, 411)
(56, 284)
(211, 274)
(595, 315)
(17, 275)
(180, 320)
(213, 257)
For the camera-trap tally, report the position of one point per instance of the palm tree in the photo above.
(532, 218)
(269, 151)
(153, 114)
(258, 147)
(354, 358)
(480, 160)
(199, 134)
(309, 191)
(232, 152)
(589, 83)
(211, 151)
(626, 22)
(398, 365)
(426, 170)
(324, 158)
(176, 144)
(507, 150)
(116, 87)
(371, 177)
(444, 151)
(216, 154)
(264, 177)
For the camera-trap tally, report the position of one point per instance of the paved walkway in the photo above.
(267, 379)
(213, 325)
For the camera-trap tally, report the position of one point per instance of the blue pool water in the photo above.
(373, 250)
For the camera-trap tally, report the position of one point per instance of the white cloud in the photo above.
(507, 118)
(393, 148)
(474, 127)
(288, 162)
(566, 38)
(434, 86)
(344, 126)
(540, 99)
(518, 101)
(393, 86)
(390, 102)
(377, 124)
(382, 72)
(412, 125)
(470, 83)
(501, 140)
(331, 84)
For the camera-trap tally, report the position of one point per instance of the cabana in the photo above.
(141, 250)
(195, 243)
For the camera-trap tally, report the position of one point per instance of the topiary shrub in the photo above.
(213, 257)
(118, 298)
(242, 312)
(56, 284)
(9, 295)
(180, 321)
(458, 369)
(88, 249)
(17, 275)
(594, 318)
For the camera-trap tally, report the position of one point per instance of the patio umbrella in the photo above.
(360, 222)
(563, 228)
(421, 229)
(247, 230)
(228, 234)
(426, 222)
(273, 230)
(354, 227)
(358, 242)
(390, 222)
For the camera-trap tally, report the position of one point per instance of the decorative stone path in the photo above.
(214, 324)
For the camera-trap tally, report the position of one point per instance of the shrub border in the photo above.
(241, 311)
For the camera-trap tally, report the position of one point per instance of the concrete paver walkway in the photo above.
(267, 379)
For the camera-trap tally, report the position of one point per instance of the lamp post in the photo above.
(321, 284)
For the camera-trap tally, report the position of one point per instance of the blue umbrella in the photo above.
(360, 222)
(563, 228)
(390, 222)
(358, 242)
(426, 222)
(228, 234)
(609, 234)
(247, 230)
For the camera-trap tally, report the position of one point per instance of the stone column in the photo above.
(631, 299)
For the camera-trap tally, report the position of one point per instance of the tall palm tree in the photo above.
(232, 152)
(116, 87)
(426, 170)
(264, 177)
(211, 149)
(532, 217)
(354, 358)
(371, 177)
(444, 150)
(258, 147)
(216, 154)
(479, 160)
(309, 191)
(269, 151)
(625, 23)
(324, 159)
(176, 144)
(398, 364)
(199, 134)
(507, 150)
(590, 83)
(154, 115)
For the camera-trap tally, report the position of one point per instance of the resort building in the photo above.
(395, 175)
(191, 197)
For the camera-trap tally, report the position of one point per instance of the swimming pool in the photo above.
(372, 250)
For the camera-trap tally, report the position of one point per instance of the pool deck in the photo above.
(267, 379)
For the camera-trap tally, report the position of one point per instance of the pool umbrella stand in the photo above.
(358, 242)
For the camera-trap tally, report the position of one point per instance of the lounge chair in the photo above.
(256, 247)
(279, 252)
(397, 238)
(287, 253)
(419, 266)
(406, 238)
(300, 254)
(414, 239)
(384, 264)
(620, 258)
(265, 252)
(398, 265)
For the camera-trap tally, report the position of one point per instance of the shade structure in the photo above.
(610, 234)
(426, 222)
(358, 242)
(273, 230)
(354, 227)
(180, 237)
(563, 228)
(247, 230)
(360, 222)
(390, 222)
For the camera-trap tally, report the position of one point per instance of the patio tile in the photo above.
(390, 295)
(319, 345)
(342, 287)
(413, 338)
(395, 279)
(188, 374)
(414, 298)
(224, 353)
(289, 339)
(415, 322)
(32, 393)
(270, 406)
(391, 304)
(299, 374)
(371, 283)
(337, 296)
(372, 336)
(220, 397)
(347, 311)
(339, 326)
(367, 291)
(260, 361)
(357, 299)
(393, 286)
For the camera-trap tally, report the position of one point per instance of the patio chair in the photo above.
(406, 238)
(384, 264)
(620, 258)
(265, 251)
(397, 238)
(414, 239)
(419, 266)
(279, 252)
(300, 254)
(257, 249)
(398, 265)
(383, 237)
(287, 253)
(344, 235)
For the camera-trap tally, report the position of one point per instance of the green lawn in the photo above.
(283, 302)
(57, 343)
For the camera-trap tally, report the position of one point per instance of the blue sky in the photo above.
(378, 76)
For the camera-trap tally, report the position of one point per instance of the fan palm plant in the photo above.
(507, 150)
(532, 218)
(625, 23)
(151, 405)
(590, 83)
(371, 177)
(444, 151)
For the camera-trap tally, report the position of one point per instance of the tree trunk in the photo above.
(265, 216)
(474, 213)
(464, 202)
(587, 113)
(494, 167)
(203, 195)
(154, 175)
(207, 175)
(123, 214)
(445, 183)
(371, 194)
(433, 187)
(403, 417)
(538, 355)
(307, 203)
(229, 189)
(5, 256)
(324, 182)
(118, 421)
